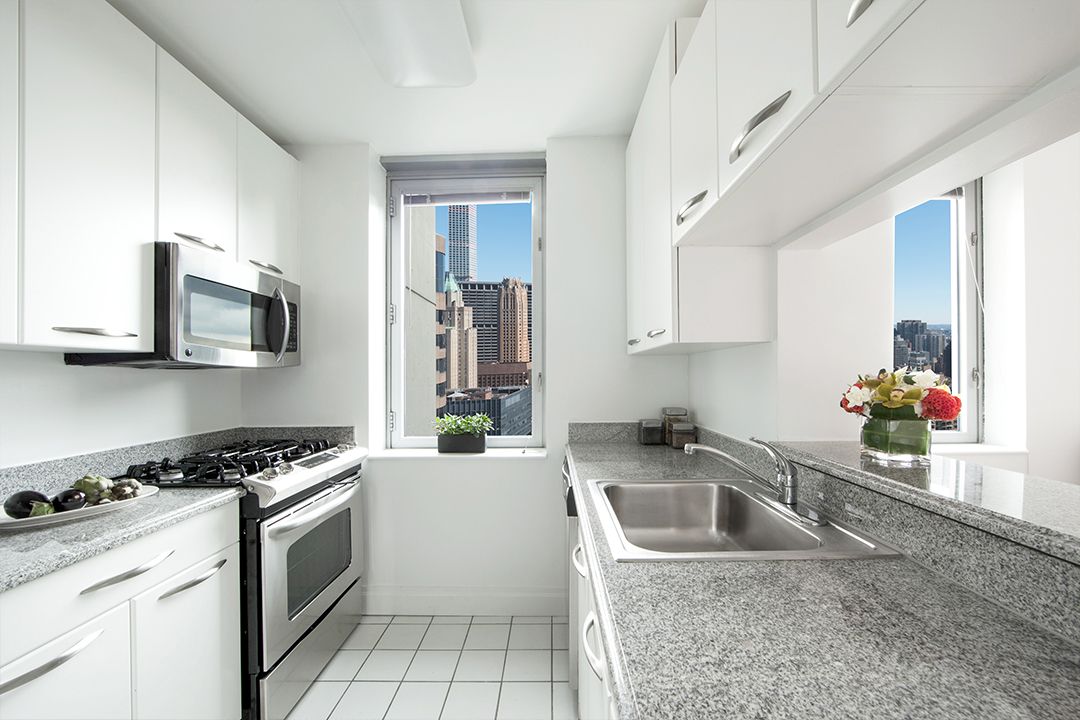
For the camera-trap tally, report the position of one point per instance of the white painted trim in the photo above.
(432, 453)
(404, 600)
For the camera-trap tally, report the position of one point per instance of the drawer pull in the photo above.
(590, 656)
(199, 241)
(858, 7)
(633, 341)
(752, 124)
(194, 581)
(579, 565)
(129, 574)
(267, 266)
(680, 217)
(658, 331)
(100, 332)
(45, 668)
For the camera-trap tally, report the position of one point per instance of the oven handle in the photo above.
(309, 517)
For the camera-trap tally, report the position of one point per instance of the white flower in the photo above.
(858, 395)
(926, 379)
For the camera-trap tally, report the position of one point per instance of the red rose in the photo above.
(940, 405)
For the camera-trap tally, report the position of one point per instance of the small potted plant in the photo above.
(463, 433)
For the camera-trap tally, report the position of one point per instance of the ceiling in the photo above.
(546, 68)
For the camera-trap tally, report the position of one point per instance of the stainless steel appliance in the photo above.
(210, 311)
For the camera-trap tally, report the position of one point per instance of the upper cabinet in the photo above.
(88, 178)
(9, 171)
(269, 197)
(848, 30)
(196, 161)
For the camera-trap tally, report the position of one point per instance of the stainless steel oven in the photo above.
(211, 311)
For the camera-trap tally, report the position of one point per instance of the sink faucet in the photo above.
(786, 485)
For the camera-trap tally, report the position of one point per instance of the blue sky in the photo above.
(922, 254)
(503, 240)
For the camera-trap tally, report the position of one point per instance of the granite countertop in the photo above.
(26, 555)
(882, 638)
(1037, 512)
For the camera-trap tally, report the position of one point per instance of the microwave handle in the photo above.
(280, 297)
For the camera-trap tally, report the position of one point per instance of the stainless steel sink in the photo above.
(714, 520)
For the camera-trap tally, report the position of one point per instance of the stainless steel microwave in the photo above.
(213, 312)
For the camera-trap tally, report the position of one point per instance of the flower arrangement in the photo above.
(902, 395)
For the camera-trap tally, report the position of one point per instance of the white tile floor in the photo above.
(446, 667)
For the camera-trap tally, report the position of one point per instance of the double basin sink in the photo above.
(715, 519)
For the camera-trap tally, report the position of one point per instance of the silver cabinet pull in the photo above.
(633, 341)
(288, 323)
(194, 581)
(100, 332)
(658, 331)
(590, 656)
(200, 241)
(680, 217)
(858, 7)
(764, 114)
(47, 667)
(581, 567)
(267, 266)
(128, 574)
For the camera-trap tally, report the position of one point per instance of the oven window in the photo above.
(317, 558)
(224, 316)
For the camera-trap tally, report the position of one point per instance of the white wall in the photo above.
(733, 391)
(50, 410)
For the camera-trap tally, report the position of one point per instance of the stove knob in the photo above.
(285, 468)
(343, 447)
(269, 473)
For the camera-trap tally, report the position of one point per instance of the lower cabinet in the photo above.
(595, 700)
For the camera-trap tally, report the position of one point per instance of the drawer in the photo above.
(79, 592)
(83, 675)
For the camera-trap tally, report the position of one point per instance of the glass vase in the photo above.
(902, 443)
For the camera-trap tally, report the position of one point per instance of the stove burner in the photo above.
(227, 465)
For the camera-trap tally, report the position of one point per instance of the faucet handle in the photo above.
(784, 468)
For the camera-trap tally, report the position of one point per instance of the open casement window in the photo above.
(466, 306)
(938, 300)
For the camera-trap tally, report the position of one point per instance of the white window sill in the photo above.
(943, 448)
(432, 453)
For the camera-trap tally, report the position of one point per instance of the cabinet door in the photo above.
(9, 171)
(693, 129)
(650, 277)
(83, 675)
(269, 195)
(88, 178)
(196, 161)
(201, 606)
(848, 30)
(764, 77)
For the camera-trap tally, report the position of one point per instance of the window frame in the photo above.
(397, 263)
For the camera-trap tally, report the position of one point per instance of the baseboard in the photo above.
(398, 600)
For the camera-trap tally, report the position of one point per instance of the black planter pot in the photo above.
(462, 443)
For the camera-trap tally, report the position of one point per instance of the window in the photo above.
(466, 306)
(937, 304)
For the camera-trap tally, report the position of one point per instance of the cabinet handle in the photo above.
(581, 567)
(199, 241)
(267, 266)
(47, 667)
(128, 574)
(764, 114)
(658, 331)
(194, 581)
(633, 341)
(590, 656)
(100, 332)
(680, 217)
(858, 7)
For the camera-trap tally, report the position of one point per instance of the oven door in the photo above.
(311, 554)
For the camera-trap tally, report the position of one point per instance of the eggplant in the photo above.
(70, 499)
(21, 503)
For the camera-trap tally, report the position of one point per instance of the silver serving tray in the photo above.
(10, 523)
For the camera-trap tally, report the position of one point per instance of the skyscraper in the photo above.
(483, 298)
(461, 242)
(513, 322)
(460, 339)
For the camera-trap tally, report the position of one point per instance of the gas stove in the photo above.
(273, 469)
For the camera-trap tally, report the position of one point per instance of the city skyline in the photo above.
(496, 258)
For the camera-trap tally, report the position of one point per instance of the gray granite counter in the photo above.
(28, 554)
(882, 638)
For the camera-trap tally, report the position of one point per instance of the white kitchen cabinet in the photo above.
(88, 178)
(849, 30)
(201, 605)
(82, 675)
(593, 686)
(196, 161)
(694, 153)
(269, 197)
(9, 172)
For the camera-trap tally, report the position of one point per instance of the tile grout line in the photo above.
(416, 650)
(461, 651)
(349, 684)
